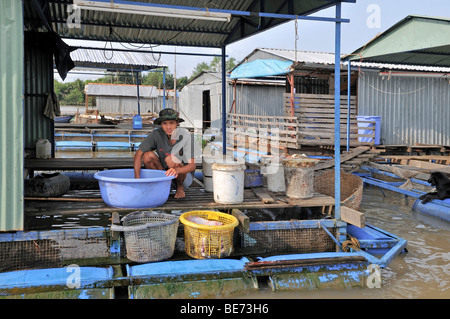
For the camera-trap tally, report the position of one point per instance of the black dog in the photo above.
(442, 184)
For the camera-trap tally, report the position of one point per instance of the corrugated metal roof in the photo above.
(97, 89)
(415, 40)
(325, 59)
(133, 28)
(309, 57)
(116, 60)
(407, 67)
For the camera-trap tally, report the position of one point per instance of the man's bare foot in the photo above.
(180, 193)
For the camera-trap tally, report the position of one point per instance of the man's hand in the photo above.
(172, 172)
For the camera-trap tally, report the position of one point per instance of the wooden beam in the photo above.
(244, 220)
(263, 195)
(353, 217)
(430, 166)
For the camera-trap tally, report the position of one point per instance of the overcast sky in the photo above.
(367, 19)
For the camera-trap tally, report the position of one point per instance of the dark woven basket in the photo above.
(351, 187)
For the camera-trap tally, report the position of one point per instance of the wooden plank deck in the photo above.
(90, 202)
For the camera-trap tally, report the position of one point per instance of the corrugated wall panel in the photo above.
(11, 115)
(257, 99)
(38, 81)
(414, 109)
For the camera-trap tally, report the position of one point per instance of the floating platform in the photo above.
(346, 266)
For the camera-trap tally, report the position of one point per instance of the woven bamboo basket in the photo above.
(351, 187)
(203, 241)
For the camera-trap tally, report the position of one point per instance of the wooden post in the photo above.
(244, 221)
(353, 217)
(86, 102)
(115, 236)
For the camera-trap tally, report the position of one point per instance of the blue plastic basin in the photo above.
(119, 188)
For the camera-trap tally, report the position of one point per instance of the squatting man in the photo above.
(168, 149)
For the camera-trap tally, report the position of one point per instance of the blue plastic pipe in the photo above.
(224, 100)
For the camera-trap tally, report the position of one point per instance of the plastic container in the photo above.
(370, 128)
(149, 236)
(274, 173)
(119, 188)
(228, 182)
(137, 122)
(252, 178)
(207, 162)
(299, 175)
(204, 241)
(43, 148)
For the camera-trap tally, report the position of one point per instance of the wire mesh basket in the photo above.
(206, 241)
(149, 236)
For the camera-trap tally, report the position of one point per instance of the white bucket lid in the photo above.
(229, 166)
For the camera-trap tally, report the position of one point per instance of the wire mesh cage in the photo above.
(286, 237)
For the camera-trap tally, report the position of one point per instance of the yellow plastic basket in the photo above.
(203, 241)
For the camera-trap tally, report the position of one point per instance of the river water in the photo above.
(421, 272)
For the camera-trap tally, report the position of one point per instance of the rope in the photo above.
(348, 244)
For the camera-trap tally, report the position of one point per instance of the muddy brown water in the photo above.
(421, 272)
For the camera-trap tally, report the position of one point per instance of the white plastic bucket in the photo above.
(228, 182)
(207, 162)
(275, 177)
(43, 148)
(208, 184)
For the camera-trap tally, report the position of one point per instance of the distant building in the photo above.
(200, 102)
(122, 98)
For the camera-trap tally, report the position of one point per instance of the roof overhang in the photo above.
(114, 60)
(415, 40)
(247, 17)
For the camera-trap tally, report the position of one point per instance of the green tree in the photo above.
(214, 66)
(155, 78)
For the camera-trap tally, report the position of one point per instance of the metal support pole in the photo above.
(137, 87)
(348, 103)
(164, 88)
(337, 114)
(224, 100)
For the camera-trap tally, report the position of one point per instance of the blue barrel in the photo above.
(437, 208)
(369, 130)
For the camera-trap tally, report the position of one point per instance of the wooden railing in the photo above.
(316, 120)
(255, 131)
